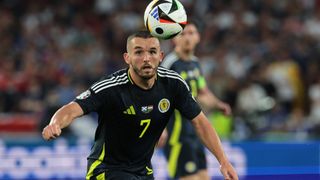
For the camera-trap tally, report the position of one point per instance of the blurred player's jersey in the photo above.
(190, 71)
(132, 119)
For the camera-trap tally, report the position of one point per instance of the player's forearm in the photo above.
(65, 115)
(207, 99)
(209, 137)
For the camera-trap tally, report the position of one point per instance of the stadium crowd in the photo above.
(261, 56)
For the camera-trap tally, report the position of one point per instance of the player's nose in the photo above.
(146, 57)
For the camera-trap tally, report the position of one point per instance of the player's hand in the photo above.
(51, 131)
(228, 171)
(224, 107)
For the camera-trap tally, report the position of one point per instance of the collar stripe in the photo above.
(109, 80)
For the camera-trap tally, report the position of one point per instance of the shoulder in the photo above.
(117, 78)
(171, 76)
(169, 60)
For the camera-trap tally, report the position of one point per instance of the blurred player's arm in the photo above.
(163, 138)
(61, 119)
(211, 140)
(209, 101)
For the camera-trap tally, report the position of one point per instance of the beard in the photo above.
(146, 72)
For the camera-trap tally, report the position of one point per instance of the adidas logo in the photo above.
(130, 110)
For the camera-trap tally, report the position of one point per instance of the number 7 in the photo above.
(147, 122)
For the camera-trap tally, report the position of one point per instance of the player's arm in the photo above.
(211, 140)
(207, 99)
(163, 138)
(61, 119)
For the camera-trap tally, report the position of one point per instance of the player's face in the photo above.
(144, 56)
(188, 38)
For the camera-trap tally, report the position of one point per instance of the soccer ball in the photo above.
(165, 18)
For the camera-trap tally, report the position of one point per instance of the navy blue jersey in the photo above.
(132, 119)
(190, 71)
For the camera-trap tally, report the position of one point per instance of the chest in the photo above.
(138, 112)
(155, 103)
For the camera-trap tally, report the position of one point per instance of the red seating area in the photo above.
(22, 123)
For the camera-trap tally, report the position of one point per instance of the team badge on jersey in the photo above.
(147, 109)
(164, 105)
(84, 95)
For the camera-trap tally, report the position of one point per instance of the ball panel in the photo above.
(174, 7)
(165, 18)
(148, 9)
(169, 30)
(165, 7)
(179, 15)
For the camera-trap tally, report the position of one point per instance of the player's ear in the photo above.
(161, 55)
(126, 57)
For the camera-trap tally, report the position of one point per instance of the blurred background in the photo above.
(260, 56)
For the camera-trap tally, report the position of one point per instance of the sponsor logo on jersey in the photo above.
(164, 105)
(147, 109)
(84, 95)
(130, 111)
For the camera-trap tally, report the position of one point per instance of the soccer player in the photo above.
(184, 152)
(134, 106)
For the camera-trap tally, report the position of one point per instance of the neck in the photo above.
(141, 82)
(184, 54)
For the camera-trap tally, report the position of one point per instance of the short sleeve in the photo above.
(90, 101)
(185, 102)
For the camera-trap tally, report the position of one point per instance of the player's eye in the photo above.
(153, 52)
(138, 52)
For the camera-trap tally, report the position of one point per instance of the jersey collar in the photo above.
(129, 77)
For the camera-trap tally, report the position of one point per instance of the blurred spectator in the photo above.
(254, 54)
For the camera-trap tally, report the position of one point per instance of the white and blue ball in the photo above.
(165, 18)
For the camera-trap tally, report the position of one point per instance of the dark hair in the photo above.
(196, 23)
(141, 34)
(145, 34)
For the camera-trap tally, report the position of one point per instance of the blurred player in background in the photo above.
(134, 106)
(184, 152)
